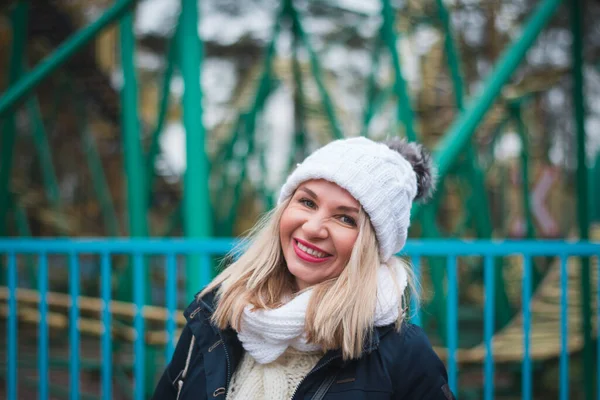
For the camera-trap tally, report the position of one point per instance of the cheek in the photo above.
(346, 244)
(285, 228)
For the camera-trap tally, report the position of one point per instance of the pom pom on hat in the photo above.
(384, 178)
(421, 162)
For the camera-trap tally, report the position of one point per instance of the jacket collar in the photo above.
(207, 305)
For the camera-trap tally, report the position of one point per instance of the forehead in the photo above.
(329, 191)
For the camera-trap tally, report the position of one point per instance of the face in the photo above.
(317, 231)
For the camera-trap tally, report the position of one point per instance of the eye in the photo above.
(348, 220)
(307, 202)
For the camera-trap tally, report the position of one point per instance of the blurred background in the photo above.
(177, 118)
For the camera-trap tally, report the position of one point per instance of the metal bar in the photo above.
(163, 107)
(299, 150)
(458, 135)
(133, 157)
(489, 285)
(171, 293)
(43, 326)
(515, 110)
(99, 182)
(197, 220)
(42, 146)
(452, 323)
(416, 311)
(73, 321)
(24, 86)
(18, 19)
(451, 54)
(317, 74)
(139, 286)
(131, 132)
(94, 164)
(105, 286)
(404, 109)
(11, 327)
(576, 8)
(216, 246)
(564, 329)
(371, 88)
(526, 382)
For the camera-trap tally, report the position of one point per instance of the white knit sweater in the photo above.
(276, 380)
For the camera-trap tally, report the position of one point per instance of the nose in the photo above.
(314, 226)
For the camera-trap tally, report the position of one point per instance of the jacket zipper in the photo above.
(312, 372)
(193, 313)
(228, 365)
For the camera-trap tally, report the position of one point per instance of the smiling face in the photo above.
(317, 231)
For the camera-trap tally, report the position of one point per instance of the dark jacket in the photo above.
(395, 365)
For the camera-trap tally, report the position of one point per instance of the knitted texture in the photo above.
(274, 381)
(382, 181)
(267, 333)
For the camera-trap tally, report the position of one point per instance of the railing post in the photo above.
(197, 220)
(576, 7)
(137, 203)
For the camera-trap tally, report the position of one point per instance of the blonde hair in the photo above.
(340, 314)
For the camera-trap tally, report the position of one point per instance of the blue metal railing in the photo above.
(169, 249)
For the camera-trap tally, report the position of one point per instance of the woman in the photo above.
(314, 305)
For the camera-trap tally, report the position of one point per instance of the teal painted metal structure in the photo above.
(583, 206)
(185, 53)
(197, 222)
(452, 250)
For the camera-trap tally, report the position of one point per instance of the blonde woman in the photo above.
(314, 305)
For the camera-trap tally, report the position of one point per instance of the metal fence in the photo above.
(199, 251)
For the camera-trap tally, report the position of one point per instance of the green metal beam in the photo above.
(404, 109)
(515, 110)
(299, 149)
(197, 220)
(18, 19)
(371, 87)
(40, 140)
(94, 162)
(20, 89)
(576, 8)
(451, 54)
(595, 180)
(451, 146)
(163, 106)
(316, 72)
(132, 148)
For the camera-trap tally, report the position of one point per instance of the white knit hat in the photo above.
(382, 180)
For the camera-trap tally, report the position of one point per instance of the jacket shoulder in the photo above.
(207, 302)
(418, 370)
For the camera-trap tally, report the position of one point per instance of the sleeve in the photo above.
(423, 375)
(166, 388)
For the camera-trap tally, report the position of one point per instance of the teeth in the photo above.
(312, 252)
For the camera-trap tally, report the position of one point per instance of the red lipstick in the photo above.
(308, 257)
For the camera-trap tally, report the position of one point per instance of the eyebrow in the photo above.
(340, 208)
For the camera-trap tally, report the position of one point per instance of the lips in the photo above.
(309, 252)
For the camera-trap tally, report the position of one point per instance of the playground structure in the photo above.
(222, 175)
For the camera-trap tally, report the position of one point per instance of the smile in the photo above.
(308, 254)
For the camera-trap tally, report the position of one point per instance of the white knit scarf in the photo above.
(267, 333)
